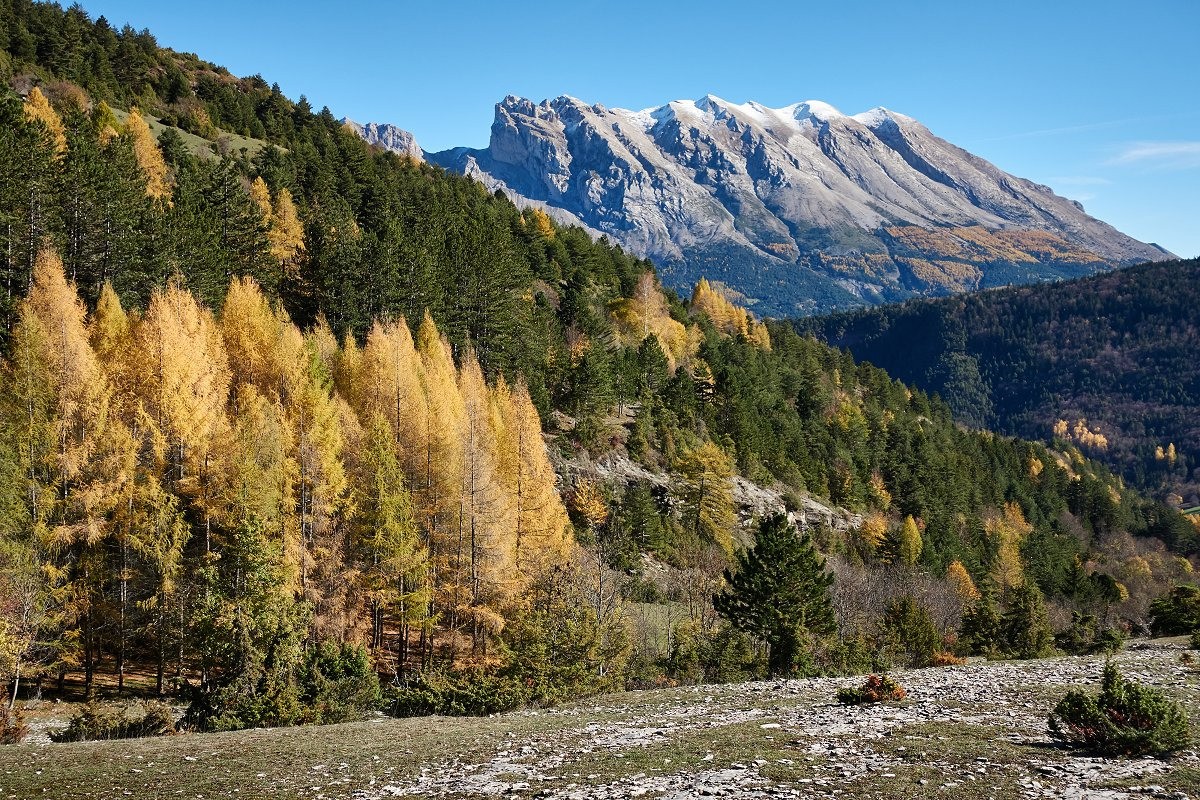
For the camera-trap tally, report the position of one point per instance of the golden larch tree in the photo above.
(645, 313)
(960, 581)
(38, 109)
(486, 523)
(542, 528)
(184, 386)
(149, 158)
(440, 488)
(908, 543)
(1008, 529)
(286, 233)
(706, 488)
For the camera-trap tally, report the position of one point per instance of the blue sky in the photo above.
(1098, 99)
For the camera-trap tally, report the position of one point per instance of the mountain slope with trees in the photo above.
(280, 418)
(1107, 362)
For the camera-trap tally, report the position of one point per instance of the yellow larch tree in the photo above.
(38, 109)
(389, 385)
(1008, 529)
(93, 456)
(487, 519)
(184, 387)
(149, 158)
(395, 559)
(541, 525)
(82, 394)
(323, 496)
(706, 489)
(908, 542)
(873, 531)
(726, 316)
(540, 221)
(285, 231)
(645, 313)
(960, 581)
(286, 234)
(261, 196)
(440, 488)
(267, 351)
(148, 531)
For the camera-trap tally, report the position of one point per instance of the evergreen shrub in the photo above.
(1125, 719)
(472, 693)
(131, 721)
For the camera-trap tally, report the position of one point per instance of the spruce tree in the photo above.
(779, 593)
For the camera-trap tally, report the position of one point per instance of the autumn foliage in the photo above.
(210, 491)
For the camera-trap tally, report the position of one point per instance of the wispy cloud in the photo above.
(1092, 126)
(1160, 155)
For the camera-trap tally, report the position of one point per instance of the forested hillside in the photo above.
(278, 419)
(1107, 362)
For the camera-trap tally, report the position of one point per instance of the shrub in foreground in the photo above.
(1125, 719)
(132, 721)
(12, 723)
(876, 689)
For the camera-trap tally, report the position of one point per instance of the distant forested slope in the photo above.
(1118, 351)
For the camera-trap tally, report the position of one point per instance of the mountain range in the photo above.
(795, 210)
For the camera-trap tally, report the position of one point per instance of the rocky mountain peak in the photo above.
(801, 208)
(387, 136)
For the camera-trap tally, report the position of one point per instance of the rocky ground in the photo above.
(976, 731)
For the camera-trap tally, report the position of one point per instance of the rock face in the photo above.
(797, 209)
(389, 137)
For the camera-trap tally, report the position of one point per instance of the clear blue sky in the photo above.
(1098, 99)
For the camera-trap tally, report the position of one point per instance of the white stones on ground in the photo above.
(836, 742)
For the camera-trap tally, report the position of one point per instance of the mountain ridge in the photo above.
(799, 209)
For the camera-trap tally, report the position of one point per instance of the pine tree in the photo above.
(981, 629)
(1025, 625)
(780, 593)
(29, 173)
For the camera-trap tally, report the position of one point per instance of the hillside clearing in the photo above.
(966, 732)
